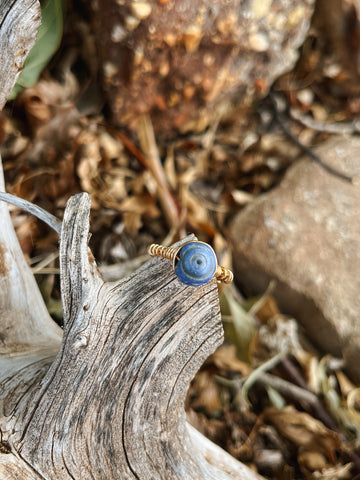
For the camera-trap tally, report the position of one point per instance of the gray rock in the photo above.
(306, 235)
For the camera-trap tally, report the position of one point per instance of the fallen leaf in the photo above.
(304, 431)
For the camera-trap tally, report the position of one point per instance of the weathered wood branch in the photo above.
(111, 404)
(104, 399)
(25, 322)
(19, 23)
(29, 341)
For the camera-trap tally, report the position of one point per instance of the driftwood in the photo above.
(110, 405)
(104, 398)
(19, 22)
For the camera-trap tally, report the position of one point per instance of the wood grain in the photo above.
(111, 405)
(19, 22)
(25, 324)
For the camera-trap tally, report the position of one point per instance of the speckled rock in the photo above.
(305, 234)
(186, 61)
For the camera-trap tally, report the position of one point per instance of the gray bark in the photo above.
(110, 405)
(19, 22)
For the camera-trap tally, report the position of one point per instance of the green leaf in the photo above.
(48, 41)
(240, 326)
(276, 399)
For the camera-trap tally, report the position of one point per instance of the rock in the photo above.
(306, 235)
(186, 61)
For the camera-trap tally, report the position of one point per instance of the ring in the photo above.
(194, 263)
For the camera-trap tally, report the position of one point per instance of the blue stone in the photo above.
(196, 264)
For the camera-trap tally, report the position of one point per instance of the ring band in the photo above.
(194, 263)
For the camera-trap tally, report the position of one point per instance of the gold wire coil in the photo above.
(160, 251)
(221, 274)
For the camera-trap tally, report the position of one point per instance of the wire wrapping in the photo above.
(221, 274)
(160, 251)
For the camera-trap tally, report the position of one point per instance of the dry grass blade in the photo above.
(147, 140)
(42, 266)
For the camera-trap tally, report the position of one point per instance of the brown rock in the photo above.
(185, 61)
(306, 235)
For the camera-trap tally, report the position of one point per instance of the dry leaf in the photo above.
(225, 358)
(208, 393)
(304, 431)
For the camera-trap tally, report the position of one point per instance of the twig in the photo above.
(29, 207)
(297, 393)
(256, 374)
(129, 145)
(318, 408)
(47, 271)
(338, 128)
(151, 161)
(288, 388)
(42, 266)
(309, 152)
(147, 140)
(296, 377)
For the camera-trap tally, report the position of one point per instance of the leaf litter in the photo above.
(267, 395)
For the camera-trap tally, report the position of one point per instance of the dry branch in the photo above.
(19, 22)
(111, 404)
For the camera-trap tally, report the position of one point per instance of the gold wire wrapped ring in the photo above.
(194, 263)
